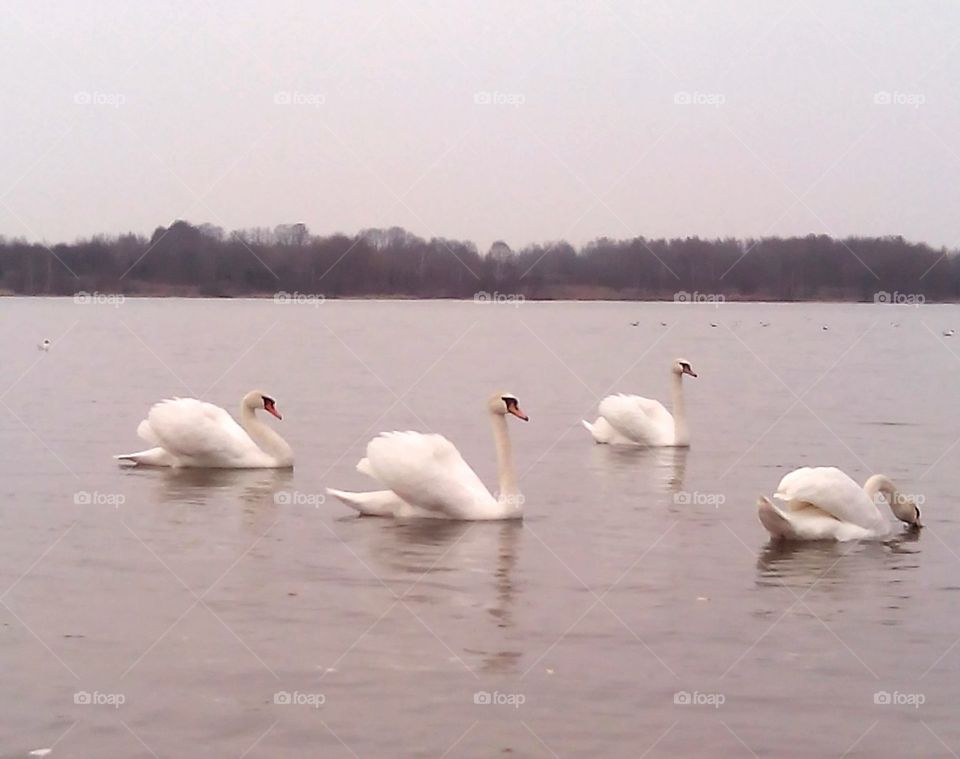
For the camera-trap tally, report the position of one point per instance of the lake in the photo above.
(638, 610)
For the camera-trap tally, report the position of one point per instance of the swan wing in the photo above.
(831, 491)
(427, 471)
(199, 432)
(641, 420)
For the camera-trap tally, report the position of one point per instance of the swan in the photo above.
(425, 476)
(185, 432)
(823, 503)
(632, 420)
(44, 345)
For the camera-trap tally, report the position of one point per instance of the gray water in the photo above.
(637, 576)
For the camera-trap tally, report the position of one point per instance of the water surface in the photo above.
(637, 576)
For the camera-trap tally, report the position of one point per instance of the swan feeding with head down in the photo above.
(633, 420)
(185, 432)
(823, 503)
(424, 475)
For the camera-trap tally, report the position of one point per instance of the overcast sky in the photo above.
(524, 121)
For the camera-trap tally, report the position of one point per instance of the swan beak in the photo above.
(271, 409)
(689, 371)
(515, 410)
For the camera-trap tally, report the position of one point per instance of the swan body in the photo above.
(185, 432)
(823, 503)
(424, 475)
(633, 420)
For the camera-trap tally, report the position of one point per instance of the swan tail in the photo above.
(773, 519)
(149, 457)
(363, 466)
(598, 431)
(378, 503)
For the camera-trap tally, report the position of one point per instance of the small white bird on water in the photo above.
(44, 345)
(948, 333)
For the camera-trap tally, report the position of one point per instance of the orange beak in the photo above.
(271, 409)
(515, 410)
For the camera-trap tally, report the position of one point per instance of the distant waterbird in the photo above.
(44, 345)
(634, 324)
(948, 333)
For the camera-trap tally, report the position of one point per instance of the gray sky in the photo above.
(523, 121)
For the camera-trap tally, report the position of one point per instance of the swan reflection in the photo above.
(666, 468)
(202, 486)
(455, 564)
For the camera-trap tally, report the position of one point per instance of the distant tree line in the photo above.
(204, 260)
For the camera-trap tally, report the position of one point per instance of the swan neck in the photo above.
(681, 435)
(901, 507)
(265, 438)
(506, 474)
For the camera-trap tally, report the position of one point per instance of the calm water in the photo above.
(202, 595)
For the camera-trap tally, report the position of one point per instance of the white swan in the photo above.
(425, 476)
(185, 432)
(823, 503)
(632, 420)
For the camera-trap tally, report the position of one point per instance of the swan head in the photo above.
(501, 404)
(257, 399)
(681, 366)
(904, 507)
